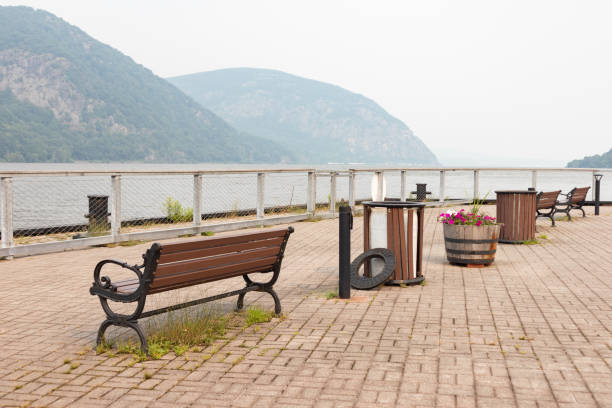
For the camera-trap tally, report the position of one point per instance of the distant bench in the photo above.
(547, 201)
(174, 266)
(574, 201)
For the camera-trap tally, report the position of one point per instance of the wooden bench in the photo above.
(575, 201)
(173, 266)
(547, 201)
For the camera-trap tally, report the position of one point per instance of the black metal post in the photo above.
(345, 225)
(421, 192)
(597, 187)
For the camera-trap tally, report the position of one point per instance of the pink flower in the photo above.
(451, 221)
(478, 223)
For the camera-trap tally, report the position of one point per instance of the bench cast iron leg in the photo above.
(240, 303)
(144, 346)
(277, 305)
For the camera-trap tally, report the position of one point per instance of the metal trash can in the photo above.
(516, 210)
(392, 225)
(98, 213)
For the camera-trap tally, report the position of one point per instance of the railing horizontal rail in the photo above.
(34, 173)
(43, 210)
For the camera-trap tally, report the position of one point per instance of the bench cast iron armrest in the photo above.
(103, 287)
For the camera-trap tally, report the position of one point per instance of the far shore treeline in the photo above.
(596, 161)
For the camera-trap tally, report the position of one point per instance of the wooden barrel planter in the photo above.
(470, 244)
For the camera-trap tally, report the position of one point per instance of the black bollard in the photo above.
(345, 226)
(98, 213)
(421, 192)
(597, 186)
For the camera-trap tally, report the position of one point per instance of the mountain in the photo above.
(316, 121)
(65, 96)
(597, 161)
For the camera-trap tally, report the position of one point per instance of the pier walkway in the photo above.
(532, 330)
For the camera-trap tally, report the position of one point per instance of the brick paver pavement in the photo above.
(532, 330)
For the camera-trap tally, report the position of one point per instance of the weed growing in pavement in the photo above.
(185, 330)
(331, 294)
(257, 315)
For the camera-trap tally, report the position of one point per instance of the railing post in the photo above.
(442, 185)
(197, 200)
(476, 184)
(351, 188)
(403, 185)
(332, 192)
(380, 179)
(6, 212)
(534, 179)
(261, 177)
(311, 193)
(115, 206)
(593, 184)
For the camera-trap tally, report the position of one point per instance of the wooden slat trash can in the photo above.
(402, 238)
(516, 210)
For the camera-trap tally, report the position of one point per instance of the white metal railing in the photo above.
(350, 184)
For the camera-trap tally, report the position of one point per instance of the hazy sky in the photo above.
(480, 82)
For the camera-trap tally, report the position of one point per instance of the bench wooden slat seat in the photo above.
(547, 201)
(173, 266)
(574, 201)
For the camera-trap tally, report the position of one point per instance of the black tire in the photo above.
(361, 282)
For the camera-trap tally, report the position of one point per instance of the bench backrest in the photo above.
(172, 266)
(547, 199)
(578, 194)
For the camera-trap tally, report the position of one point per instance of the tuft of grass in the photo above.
(531, 242)
(186, 236)
(182, 330)
(74, 366)
(18, 387)
(131, 243)
(331, 294)
(180, 349)
(175, 211)
(423, 283)
(128, 348)
(147, 375)
(542, 236)
(236, 361)
(313, 219)
(66, 361)
(102, 347)
(207, 234)
(257, 315)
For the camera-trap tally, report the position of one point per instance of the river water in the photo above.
(57, 200)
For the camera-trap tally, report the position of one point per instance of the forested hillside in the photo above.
(65, 96)
(316, 121)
